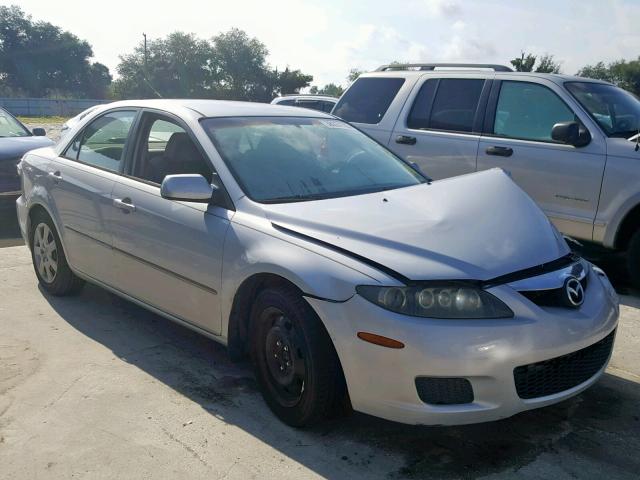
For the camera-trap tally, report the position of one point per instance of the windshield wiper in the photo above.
(297, 198)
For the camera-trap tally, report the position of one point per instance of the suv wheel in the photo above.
(296, 365)
(49, 261)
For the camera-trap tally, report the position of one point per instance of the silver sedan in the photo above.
(340, 270)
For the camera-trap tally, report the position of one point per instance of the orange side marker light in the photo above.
(380, 340)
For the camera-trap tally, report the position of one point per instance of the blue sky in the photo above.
(327, 38)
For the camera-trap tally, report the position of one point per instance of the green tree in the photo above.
(626, 74)
(354, 73)
(39, 59)
(231, 66)
(599, 71)
(240, 65)
(291, 81)
(330, 89)
(525, 63)
(179, 65)
(547, 64)
(623, 73)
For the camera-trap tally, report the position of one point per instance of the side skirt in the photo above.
(153, 309)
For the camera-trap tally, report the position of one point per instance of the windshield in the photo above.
(10, 127)
(616, 110)
(287, 159)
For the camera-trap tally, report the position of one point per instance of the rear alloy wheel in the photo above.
(49, 261)
(296, 365)
(45, 253)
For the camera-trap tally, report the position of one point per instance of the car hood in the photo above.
(478, 226)
(14, 147)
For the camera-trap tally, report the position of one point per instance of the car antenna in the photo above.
(638, 140)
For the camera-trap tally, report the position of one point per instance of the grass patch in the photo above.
(32, 120)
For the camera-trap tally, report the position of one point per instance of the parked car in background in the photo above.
(288, 235)
(323, 103)
(569, 142)
(15, 141)
(69, 124)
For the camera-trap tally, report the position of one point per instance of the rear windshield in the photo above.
(368, 99)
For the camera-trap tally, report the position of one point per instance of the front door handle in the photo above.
(500, 151)
(406, 139)
(55, 176)
(124, 204)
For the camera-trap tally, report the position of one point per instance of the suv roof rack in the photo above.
(306, 95)
(433, 66)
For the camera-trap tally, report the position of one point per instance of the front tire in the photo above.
(295, 362)
(49, 260)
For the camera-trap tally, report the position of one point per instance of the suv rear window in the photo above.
(453, 109)
(368, 99)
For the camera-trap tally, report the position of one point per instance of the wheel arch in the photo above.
(240, 314)
(628, 225)
(36, 207)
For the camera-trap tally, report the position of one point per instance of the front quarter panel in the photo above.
(620, 192)
(250, 250)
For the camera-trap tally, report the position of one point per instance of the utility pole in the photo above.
(145, 71)
(145, 51)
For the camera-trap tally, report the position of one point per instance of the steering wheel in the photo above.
(353, 159)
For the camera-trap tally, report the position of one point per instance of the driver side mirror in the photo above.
(571, 133)
(39, 132)
(188, 188)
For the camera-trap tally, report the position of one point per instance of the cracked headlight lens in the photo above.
(449, 300)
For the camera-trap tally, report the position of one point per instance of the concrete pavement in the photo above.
(95, 387)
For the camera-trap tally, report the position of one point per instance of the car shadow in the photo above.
(599, 427)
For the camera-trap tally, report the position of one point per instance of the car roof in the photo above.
(220, 108)
(554, 77)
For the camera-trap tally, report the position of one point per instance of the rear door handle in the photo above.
(124, 204)
(406, 139)
(500, 151)
(55, 176)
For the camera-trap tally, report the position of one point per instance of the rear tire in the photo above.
(295, 362)
(49, 260)
(633, 259)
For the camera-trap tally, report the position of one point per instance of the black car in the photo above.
(15, 141)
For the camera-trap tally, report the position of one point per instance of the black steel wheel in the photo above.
(296, 365)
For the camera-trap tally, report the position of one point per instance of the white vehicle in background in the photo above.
(570, 142)
(73, 121)
(322, 103)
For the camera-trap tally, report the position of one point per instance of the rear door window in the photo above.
(103, 141)
(167, 149)
(529, 111)
(446, 104)
(368, 99)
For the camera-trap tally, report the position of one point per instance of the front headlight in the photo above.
(446, 300)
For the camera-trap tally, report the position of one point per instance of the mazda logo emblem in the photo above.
(573, 292)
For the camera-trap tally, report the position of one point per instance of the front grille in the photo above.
(550, 298)
(444, 391)
(562, 373)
